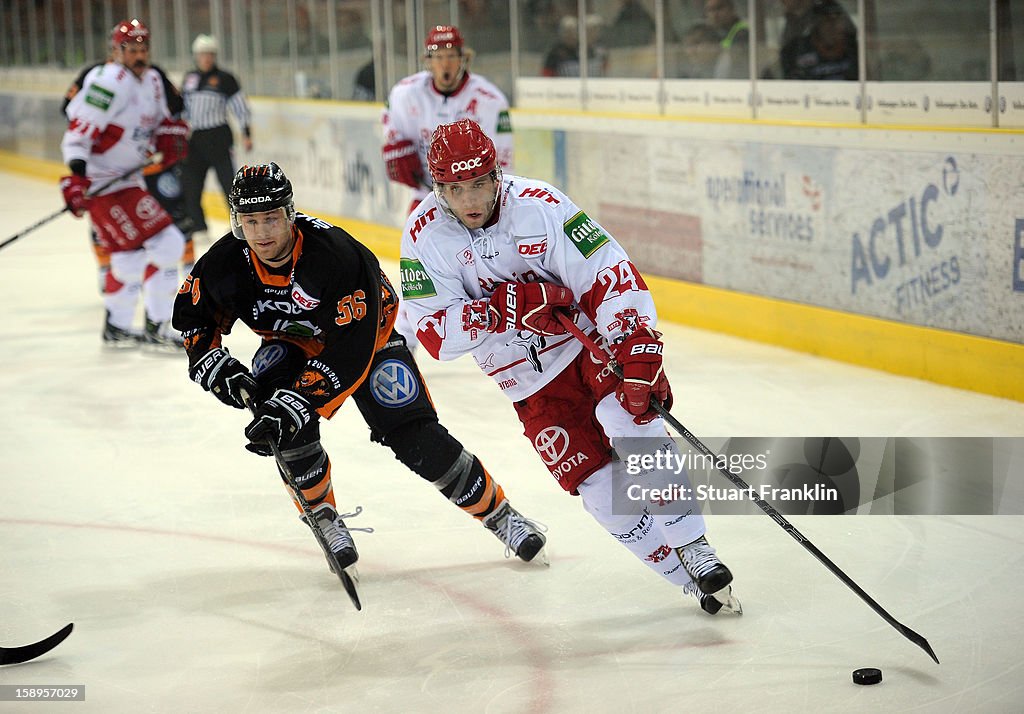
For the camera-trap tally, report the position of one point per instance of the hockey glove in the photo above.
(639, 355)
(403, 163)
(528, 306)
(74, 188)
(223, 375)
(278, 419)
(170, 138)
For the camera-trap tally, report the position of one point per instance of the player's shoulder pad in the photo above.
(102, 85)
(524, 192)
(332, 247)
(429, 225)
(409, 85)
(223, 257)
(488, 89)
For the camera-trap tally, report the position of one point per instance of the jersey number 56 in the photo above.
(351, 307)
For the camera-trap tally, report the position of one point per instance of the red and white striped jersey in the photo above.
(111, 122)
(540, 235)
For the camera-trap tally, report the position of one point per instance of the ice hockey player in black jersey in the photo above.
(325, 313)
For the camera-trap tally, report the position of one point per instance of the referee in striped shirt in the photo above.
(209, 91)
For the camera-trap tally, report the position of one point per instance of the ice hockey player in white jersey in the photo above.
(444, 92)
(487, 260)
(115, 121)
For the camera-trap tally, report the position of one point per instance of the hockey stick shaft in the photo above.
(307, 510)
(783, 523)
(17, 655)
(154, 159)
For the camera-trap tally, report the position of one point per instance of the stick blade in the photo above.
(17, 655)
(918, 640)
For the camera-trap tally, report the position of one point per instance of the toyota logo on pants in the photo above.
(551, 443)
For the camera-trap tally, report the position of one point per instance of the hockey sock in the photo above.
(469, 486)
(311, 469)
(427, 449)
(637, 531)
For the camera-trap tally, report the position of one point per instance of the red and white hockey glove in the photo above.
(74, 188)
(528, 306)
(640, 357)
(403, 163)
(170, 138)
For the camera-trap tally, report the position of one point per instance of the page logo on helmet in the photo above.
(466, 165)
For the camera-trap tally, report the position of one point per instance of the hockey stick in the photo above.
(606, 359)
(153, 159)
(346, 580)
(17, 655)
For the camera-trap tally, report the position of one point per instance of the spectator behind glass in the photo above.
(351, 31)
(365, 89)
(734, 39)
(701, 47)
(563, 60)
(485, 24)
(633, 26)
(828, 51)
(539, 25)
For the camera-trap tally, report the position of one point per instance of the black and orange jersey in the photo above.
(331, 299)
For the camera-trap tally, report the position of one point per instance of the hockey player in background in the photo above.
(163, 180)
(325, 313)
(444, 92)
(114, 122)
(487, 259)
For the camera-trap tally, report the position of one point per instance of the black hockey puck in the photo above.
(867, 675)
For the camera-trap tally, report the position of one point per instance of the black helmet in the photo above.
(259, 188)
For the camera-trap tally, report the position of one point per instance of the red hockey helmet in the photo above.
(128, 31)
(443, 37)
(459, 152)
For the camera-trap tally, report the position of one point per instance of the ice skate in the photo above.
(704, 567)
(118, 338)
(161, 337)
(721, 601)
(339, 540)
(520, 535)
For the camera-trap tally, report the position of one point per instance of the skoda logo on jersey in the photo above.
(466, 165)
(393, 384)
(266, 357)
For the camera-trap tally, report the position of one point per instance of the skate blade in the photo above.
(542, 557)
(350, 589)
(162, 350)
(121, 345)
(730, 603)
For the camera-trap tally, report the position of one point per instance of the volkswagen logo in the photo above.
(393, 384)
(551, 443)
(267, 356)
